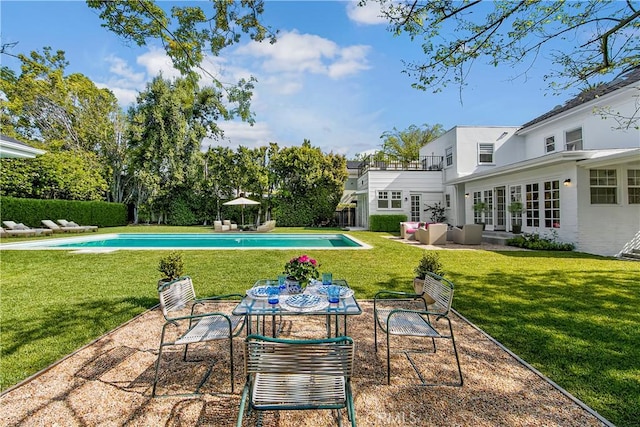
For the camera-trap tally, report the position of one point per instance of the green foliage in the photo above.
(389, 223)
(59, 175)
(455, 35)
(430, 262)
(437, 212)
(310, 185)
(480, 207)
(405, 145)
(535, 241)
(180, 213)
(171, 266)
(515, 207)
(302, 268)
(32, 211)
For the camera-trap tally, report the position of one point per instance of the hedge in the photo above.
(32, 211)
(389, 223)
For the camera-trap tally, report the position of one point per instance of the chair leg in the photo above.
(375, 331)
(155, 377)
(243, 402)
(231, 359)
(455, 351)
(388, 359)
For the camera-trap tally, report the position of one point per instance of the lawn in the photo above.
(573, 316)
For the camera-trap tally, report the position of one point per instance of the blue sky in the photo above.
(334, 77)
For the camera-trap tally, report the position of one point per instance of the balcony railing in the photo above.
(424, 163)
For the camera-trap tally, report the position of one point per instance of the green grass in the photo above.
(575, 317)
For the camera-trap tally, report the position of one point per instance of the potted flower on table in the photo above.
(299, 271)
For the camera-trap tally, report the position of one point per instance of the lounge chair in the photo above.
(469, 234)
(433, 234)
(12, 226)
(408, 229)
(57, 229)
(65, 223)
(266, 227)
(231, 225)
(16, 233)
(219, 226)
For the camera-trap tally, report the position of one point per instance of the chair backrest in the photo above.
(330, 356)
(9, 224)
(440, 290)
(52, 225)
(176, 294)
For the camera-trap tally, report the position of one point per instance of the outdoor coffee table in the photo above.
(311, 302)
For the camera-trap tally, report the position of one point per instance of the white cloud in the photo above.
(241, 133)
(306, 53)
(156, 61)
(368, 15)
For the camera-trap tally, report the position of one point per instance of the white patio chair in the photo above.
(194, 327)
(393, 319)
(298, 375)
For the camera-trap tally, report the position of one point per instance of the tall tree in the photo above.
(310, 184)
(584, 39)
(405, 145)
(62, 111)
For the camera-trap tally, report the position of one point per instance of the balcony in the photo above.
(378, 163)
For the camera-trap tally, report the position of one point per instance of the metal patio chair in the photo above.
(298, 375)
(393, 319)
(177, 297)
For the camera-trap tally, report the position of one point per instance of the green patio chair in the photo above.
(178, 296)
(395, 319)
(298, 375)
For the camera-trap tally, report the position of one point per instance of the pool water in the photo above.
(231, 240)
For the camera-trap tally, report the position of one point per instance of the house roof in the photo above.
(12, 148)
(585, 96)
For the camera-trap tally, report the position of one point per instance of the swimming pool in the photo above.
(193, 241)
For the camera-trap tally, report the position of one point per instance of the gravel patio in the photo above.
(108, 383)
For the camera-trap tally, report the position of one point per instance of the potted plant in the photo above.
(299, 271)
(515, 208)
(430, 262)
(481, 207)
(171, 267)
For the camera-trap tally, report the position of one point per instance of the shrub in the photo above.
(430, 262)
(386, 222)
(535, 241)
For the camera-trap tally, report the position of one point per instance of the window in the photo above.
(604, 186)
(448, 154)
(550, 144)
(389, 199)
(532, 205)
(516, 196)
(633, 184)
(488, 199)
(477, 215)
(447, 200)
(574, 140)
(552, 204)
(485, 153)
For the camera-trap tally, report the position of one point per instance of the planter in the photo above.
(516, 229)
(293, 286)
(418, 286)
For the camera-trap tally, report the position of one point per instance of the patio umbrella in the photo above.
(241, 201)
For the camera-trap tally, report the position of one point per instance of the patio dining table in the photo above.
(257, 308)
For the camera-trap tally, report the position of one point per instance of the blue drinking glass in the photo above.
(281, 284)
(327, 278)
(333, 294)
(273, 294)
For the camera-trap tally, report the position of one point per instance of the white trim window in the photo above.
(552, 204)
(485, 154)
(603, 185)
(633, 186)
(573, 140)
(389, 199)
(448, 155)
(550, 144)
(532, 204)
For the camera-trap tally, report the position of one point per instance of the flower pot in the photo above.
(293, 286)
(516, 229)
(418, 286)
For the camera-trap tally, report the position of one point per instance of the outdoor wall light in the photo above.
(567, 182)
(466, 195)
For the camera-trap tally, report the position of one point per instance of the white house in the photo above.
(575, 169)
(12, 148)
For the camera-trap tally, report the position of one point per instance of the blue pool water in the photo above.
(197, 241)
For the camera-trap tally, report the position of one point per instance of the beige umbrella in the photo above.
(241, 201)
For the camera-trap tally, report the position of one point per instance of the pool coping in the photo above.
(45, 245)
